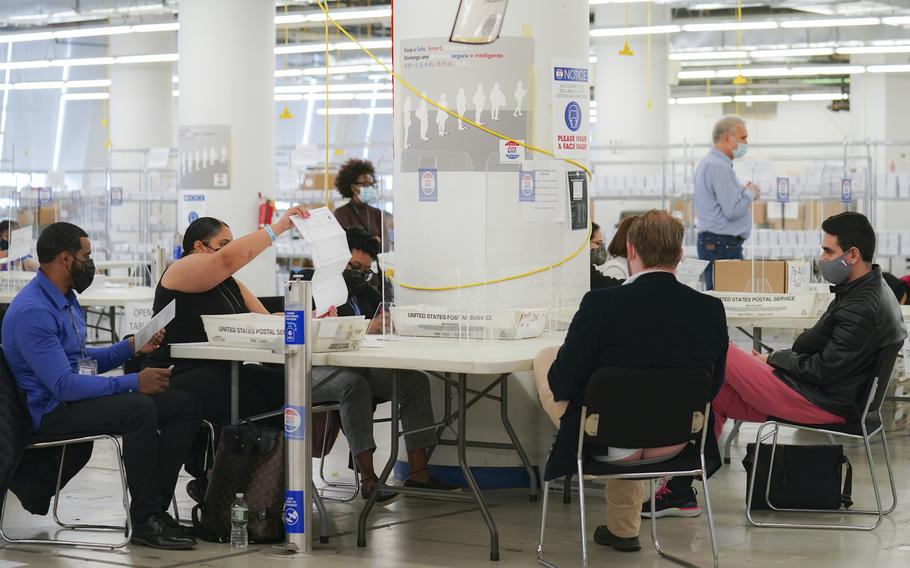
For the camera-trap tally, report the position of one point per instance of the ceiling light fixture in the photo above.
(888, 69)
(85, 96)
(819, 97)
(830, 23)
(798, 52)
(896, 21)
(702, 100)
(707, 55)
(729, 26)
(873, 49)
(642, 30)
(761, 98)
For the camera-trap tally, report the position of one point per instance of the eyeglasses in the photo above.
(365, 272)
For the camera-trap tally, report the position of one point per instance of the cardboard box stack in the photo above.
(769, 276)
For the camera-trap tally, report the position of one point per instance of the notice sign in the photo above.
(571, 121)
(511, 151)
(846, 190)
(204, 157)
(293, 511)
(135, 316)
(190, 207)
(429, 188)
(526, 186)
(783, 190)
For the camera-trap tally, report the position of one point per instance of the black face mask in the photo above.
(355, 279)
(4, 244)
(82, 278)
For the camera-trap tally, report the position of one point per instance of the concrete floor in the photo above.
(415, 532)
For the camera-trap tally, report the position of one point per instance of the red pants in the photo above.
(752, 393)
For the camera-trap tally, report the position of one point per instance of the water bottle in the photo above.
(240, 517)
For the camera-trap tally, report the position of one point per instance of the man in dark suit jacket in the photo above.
(652, 320)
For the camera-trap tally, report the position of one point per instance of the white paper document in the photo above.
(158, 323)
(329, 246)
(21, 243)
(689, 270)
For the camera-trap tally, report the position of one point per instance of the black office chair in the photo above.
(9, 384)
(864, 428)
(621, 411)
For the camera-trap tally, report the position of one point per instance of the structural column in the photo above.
(226, 72)
(630, 89)
(141, 115)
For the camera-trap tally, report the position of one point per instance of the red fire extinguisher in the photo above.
(266, 211)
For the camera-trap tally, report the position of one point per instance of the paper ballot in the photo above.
(21, 243)
(329, 245)
(156, 324)
(690, 269)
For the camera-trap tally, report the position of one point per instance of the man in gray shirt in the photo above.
(722, 203)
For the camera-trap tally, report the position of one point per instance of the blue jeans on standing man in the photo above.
(717, 247)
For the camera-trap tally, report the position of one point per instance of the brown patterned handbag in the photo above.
(249, 460)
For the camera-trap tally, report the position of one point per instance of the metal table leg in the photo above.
(466, 471)
(381, 483)
(235, 392)
(504, 415)
(112, 314)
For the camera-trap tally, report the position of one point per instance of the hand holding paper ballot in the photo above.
(328, 244)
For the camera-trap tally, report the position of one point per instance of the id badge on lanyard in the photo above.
(86, 365)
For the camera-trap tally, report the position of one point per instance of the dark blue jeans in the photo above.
(717, 247)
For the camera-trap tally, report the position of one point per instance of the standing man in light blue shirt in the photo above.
(722, 203)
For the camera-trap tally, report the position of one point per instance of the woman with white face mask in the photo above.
(356, 181)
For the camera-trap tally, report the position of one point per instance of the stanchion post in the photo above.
(298, 366)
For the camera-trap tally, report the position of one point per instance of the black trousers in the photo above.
(157, 432)
(209, 383)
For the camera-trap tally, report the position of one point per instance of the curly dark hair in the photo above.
(348, 174)
(362, 240)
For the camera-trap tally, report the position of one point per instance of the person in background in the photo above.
(898, 286)
(722, 203)
(202, 283)
(27, 263)
(363, 298)
(355, 391)
(356, 180)
(618, 265)
(68, 395)
(825, 376)
(6, 226)
(651, 320)
(598, 258)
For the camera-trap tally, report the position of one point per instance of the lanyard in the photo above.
(69, 310)
(356, 306)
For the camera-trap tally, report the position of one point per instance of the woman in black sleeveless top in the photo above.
(201, 282)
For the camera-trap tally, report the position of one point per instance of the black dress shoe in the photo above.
(603, 536)
(182, 531)
(155, 533)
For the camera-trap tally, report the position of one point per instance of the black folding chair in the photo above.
(622, 411)
(864, 428)
(9, 383)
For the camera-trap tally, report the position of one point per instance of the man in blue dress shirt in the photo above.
(722, 203)
(44, 344)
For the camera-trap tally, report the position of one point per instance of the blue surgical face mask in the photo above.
(368, 194)
(740, 151)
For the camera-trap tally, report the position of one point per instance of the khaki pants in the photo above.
(624, 497)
